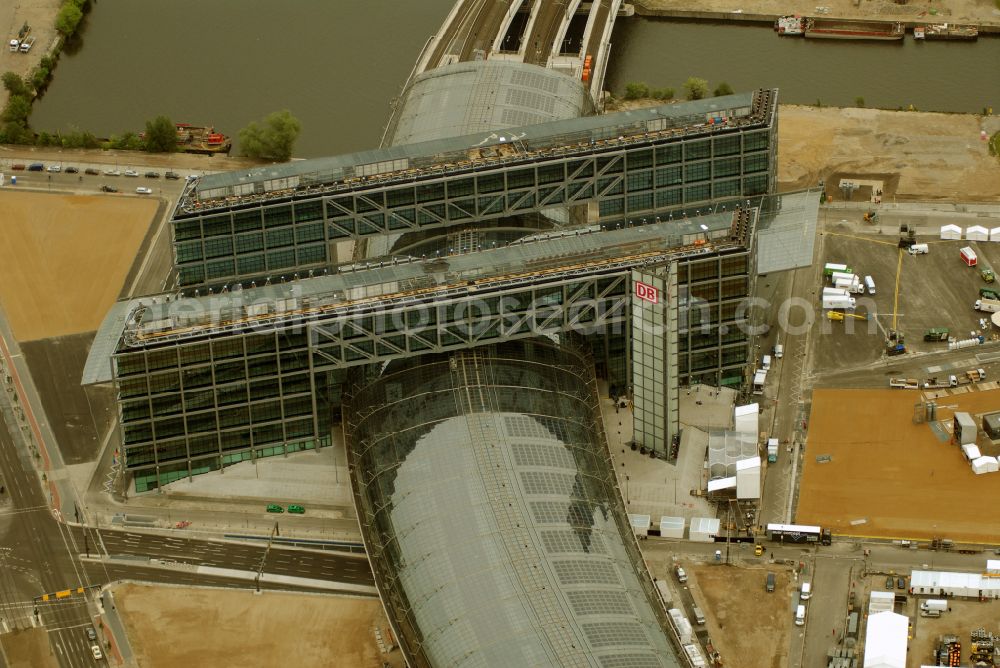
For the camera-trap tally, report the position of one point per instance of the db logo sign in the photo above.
(647, 292)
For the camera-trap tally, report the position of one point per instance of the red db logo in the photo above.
(647, 292)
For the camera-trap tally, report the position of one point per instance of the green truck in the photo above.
(936, 334)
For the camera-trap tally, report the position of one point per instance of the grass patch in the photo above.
(995, 139)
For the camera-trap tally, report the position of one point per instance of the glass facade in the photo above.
(199, 406)
(487, 471)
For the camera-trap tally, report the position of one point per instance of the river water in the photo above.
(337, 66)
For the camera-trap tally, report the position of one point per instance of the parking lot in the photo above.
(935, 290)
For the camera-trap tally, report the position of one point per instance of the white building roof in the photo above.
(881, 601)
(721, 483)
(993, 566)
(885, 641)
(748, 463)
(949, 580)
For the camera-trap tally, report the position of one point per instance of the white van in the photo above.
(766, 363)
(699, 616)
(870, 282)
(918, 249)
(779, 351)
(806, 592)
(800, 615)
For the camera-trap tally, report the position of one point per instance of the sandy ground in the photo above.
(65, 258)
(28, 649)
(980, 12)
(965, 616)
(936, 156)
(923, 156)
(40, 15)
(219, 627)
(749, 626)
(894, 474)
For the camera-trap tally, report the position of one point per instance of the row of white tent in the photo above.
(979, 463)
(702, 530)
(972, 233)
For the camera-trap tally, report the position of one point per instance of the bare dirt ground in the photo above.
(922, 156)
(936, 156)
(965, 616)
(981, 12)
(40, 15)
(749, 627)
(28, 649)
(65, 258)
(218, 627)
(894, 474)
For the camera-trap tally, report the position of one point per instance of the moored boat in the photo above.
(947, 31)
(789, 25)
(846, 29)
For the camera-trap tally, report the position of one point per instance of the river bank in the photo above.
(983, 13)
(925, 156)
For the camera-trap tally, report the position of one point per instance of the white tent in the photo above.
(671, 527)
(704, 529)
(640, 524)
(971, 451)
(720, 484)
(748, 478)
(992, 465)
(941, 583)
(977, 233)
(951, 232)
(745, 419)
(980, 465)
(885, 640)
(880, 601)
(993, 566)
(995, 234)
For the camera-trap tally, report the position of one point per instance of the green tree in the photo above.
(859, 101)
(273, 139)
(14, 84)
(695, 88)
(17, 110)
(68, 19)
(161, 135)
(663, 94)
(723, 89)
(636, 90)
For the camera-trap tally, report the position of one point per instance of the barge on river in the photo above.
(946, 31)
(824, 28)
(195, 139)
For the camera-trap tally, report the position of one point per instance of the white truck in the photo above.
(987, 305)
(934, 604)
(870, 282)
(759, 379)
(836, 292)
(772, 450)
(27, 43)
(842, 302)
(853, 287)
(918, 249)
(841, 275)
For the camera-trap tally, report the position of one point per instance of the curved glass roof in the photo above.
(491, 517)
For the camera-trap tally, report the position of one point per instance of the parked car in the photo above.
(298, 510)
(55, 168)
(152, 175)
(900, 583)
(889, 582)
(91, 170)
(96, 651)
(131, 172)
(681, 575)
(19, 167)
(112, 172)
(758, 550)
(143, 191)
(172, 175)
(769, 582)
(36, 167)
(91, 633)
(109, 189)
(72, 170)
(274, 508)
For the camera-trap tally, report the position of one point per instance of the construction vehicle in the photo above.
(871, 217)
(895, 345)
(976, 375)
(936, 334)
(907, 236)
(838, 316)
(987, 305)
(987, 275)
